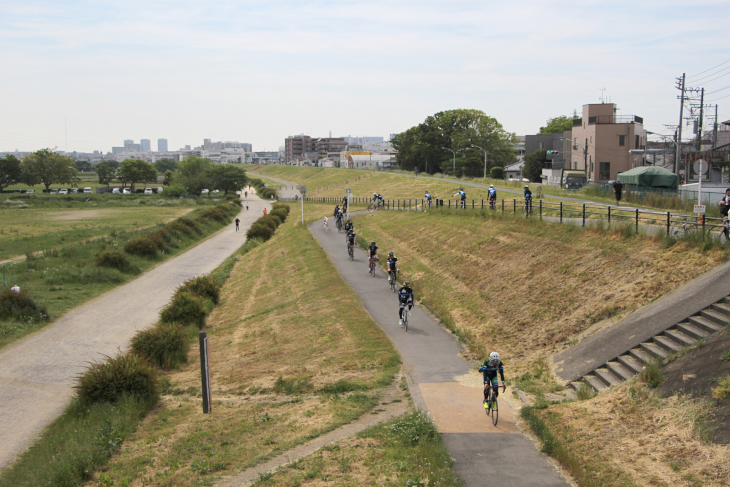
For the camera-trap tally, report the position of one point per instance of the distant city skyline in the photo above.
(83, 75)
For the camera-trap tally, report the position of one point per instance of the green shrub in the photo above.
(114, 378)
(185, 308)
(414, 428)
(282, 206)
(116, 259)
(217, 213)
(165, 345)
(175, 191)
(204, 286)
(279, 213)
(496, 172)
(652, 374)
(159, 238)
(142, 246)
(178, 228)
(259, 231)
(20, 307)
(270, 221)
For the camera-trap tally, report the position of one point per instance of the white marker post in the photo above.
(303, 192)
(205, 371)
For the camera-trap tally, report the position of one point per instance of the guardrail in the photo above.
(675, 223)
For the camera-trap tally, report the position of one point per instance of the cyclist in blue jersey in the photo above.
(489, 369)
(405, 298)
(427, 196)
(528, 198)
(492, 196)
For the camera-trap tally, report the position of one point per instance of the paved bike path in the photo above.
(37, 374)
(444, 384)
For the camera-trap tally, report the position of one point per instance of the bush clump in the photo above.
(116, 259)
(186, 308)
(142, 246)
(175, 191)
(279, 213)
(206, 287)
(281, 206)
(259, 231)
(217, 213)
(165, 345)
(112, 379)
(20, 307)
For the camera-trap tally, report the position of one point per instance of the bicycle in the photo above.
(338, 222)
(375, 206)
(428, 204)
(492, 203)
(406, 314)
(350, 251)
(391, 275)
(679, 229)
(528, 205)
(372, 261)
(463, 204)
(491, 400)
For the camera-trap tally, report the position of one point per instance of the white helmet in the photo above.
(494, 356)
(491, 185)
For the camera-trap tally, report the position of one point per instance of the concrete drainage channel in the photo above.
(697, 327)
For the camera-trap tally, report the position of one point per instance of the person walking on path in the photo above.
(245, 194)
(247, 206)
(238, 220)
(617, 188)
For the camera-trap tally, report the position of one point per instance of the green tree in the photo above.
(137, 171)
(167, 179)
(457, 130)
(557, 124)
(10, 171)
(496, 172)
(84, 166)
(164, 165)
(227, 177)
(46, 167)
(533, 165)
(192, 172)
(106, 172)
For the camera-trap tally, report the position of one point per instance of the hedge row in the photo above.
(261, 190)
(265, 227)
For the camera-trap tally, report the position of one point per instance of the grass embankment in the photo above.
(524, 287)
(293, 355)
(62, 278)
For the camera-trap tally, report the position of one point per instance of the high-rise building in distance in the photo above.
(144, 144)
(161, 145)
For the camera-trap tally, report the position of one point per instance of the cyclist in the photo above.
(462, 195)
(405, 298)
(350, 239)
(489, 369)
(392, 266)
(337, 210)
(378, 199)
(492, 196)
(428, 198)
(724, 209)
(528, 198)
(349, 226)
(372, 253)
(338, 220)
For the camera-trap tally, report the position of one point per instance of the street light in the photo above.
(446, 148)
(585, 152)
(485, 159)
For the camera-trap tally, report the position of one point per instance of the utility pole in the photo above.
(699, 126)
(585, 156)
(679, 129)
(714, 129)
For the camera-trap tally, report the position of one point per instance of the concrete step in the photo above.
(654, 351)
(722, 307)
(666, 343)
(630, 363)
(606, 376)
(640, 355)
(594, 382)
(704, 323)
(679, 337)
(692, 330)
(620, 371)
(716, 316)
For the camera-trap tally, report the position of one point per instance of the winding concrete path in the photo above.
(37, 374)
(444, 384)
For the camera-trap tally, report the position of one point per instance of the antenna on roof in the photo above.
(603, 94)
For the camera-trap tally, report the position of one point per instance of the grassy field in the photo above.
(293, 355)
(528, 288)
(63, 277)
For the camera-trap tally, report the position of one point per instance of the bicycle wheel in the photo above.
(488, 409)
(495, 409)
(405, 319)
(372, 207)
(392, 281)
(372, 268)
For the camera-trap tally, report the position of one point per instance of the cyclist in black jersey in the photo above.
(405, 298)
(392, 266)
(528, 198)
(372, 253)
(349, 226)
(490, 368)
(350, 240)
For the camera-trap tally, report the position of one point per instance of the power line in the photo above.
(720, 98)
(713, 79)
(725, 88)
(721, 64)
(713, 74)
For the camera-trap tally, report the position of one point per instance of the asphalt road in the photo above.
(444, 384)
(37, 374)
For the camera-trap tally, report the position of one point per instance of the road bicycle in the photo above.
(371, 263)
(427, 204)
(492, 203)
(392, 281)
(375, 206)
(463, 204)
(406, 314)
(491, 402)
(350, 251)
(338, 222)
(681, 228)
(528, 205)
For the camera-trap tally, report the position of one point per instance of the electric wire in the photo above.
(711, 92)
(710, 75)
(721, 64)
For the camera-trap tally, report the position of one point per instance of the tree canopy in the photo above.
(137, 171)
(423, 147)
(227, 177)
(557, 124)
(192, 173)
(533, 165)
(106, 172)
(46, 167)
(84, 166)
(164, 165)
(10, 171)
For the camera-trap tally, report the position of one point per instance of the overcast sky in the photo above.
(94, 73)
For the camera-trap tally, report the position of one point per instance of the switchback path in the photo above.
(444, 384)
(37, 374)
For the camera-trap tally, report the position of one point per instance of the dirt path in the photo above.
(37, 374)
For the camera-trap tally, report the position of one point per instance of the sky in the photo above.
(85, 75)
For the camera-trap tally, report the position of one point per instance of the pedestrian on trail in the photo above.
(617, 188)
(264, 211)
(238, 220)
(247, 206)
(245, 194)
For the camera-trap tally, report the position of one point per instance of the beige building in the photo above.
(601, 141)
(300, 147)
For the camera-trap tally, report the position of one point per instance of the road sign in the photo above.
(700, 209)
(700, 166)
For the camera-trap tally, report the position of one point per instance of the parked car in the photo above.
(63, 191)
(205, 191)
(159, 189)
(30, 191)
(74, 190)
(54, 191)
(126, 191)
(87, 190)
(148, 191)
(116, 191)
(216, 191)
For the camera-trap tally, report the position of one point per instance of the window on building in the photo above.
(540, 145)
(638, 141)
(622, 140)
(604, 170)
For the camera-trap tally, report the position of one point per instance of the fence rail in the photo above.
(672, 222)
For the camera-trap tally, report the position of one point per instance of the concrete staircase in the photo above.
(708, 321)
